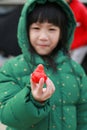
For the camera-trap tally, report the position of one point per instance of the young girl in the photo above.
(45, 32)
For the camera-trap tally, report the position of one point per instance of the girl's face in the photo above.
(44, 37)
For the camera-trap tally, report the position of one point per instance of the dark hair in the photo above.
(52, 13)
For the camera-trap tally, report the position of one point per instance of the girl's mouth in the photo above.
(43, 45)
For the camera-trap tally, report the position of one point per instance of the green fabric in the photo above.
(20, 111)
(65, 110)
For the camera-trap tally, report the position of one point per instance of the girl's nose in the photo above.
(43, 35)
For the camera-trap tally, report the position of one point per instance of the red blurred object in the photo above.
(39, 73)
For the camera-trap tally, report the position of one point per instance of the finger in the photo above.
(40, 86)
(33, 85)
(50, 85)
(49, 90)
(44, 90)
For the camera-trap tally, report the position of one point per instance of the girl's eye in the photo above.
(35, 28)
(52, 29)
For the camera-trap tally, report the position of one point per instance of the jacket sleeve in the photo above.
(17, 107)
(82, 105)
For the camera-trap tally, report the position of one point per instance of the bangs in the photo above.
(49, 12)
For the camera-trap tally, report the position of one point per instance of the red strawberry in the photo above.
(39, 73)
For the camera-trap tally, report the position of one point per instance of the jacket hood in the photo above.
(29, 5)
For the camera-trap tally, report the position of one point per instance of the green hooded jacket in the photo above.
(66, 109)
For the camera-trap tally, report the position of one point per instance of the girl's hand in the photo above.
(39, 93)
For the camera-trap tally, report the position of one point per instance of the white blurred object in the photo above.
(2, 61)
(79, 54)
(12, 1)
(2, 127)
(23, 1)
(84, 1)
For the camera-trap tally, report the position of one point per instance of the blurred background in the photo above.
(9, 15)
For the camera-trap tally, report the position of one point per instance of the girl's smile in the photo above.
(44, 37)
